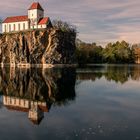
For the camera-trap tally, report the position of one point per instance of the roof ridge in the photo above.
(36, 5)
(43, 20)
(16, 19)
(17, 16)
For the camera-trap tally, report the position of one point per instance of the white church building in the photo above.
(34, 20)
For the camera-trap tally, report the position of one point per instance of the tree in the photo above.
(88, 52)
(64, 26)
(109, 53)
(119, 52)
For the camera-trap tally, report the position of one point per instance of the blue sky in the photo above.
(100, 21)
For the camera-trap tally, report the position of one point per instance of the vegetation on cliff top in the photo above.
(64, 26)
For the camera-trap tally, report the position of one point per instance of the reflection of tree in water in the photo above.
(119, 74)
(61, 85)
(55, 85)
(66, 88)
(135, 73)
(36, 90)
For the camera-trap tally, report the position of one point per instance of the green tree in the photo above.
(109, 53)
(88, 52)
(119, 52)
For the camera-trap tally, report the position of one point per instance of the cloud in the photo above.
(96, 20)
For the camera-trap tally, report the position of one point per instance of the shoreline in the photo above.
(49, 66)
(44, 66)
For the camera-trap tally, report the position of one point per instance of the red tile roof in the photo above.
(22, 109)
(36, 122)
(43, 21)
(44, 108)
(16, 108)
(15, 19)
(36, 5)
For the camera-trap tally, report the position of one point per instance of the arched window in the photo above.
(9, 27)
(23, 26)
(15, 101)
(5, 28)
(14, 27)
(19, 101)
(19, 26)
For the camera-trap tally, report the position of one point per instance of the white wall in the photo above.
(35, 15)
(14, 26)
(23, 103)
(16, 102)
(39, 26)
(6, 26)
(42, 26)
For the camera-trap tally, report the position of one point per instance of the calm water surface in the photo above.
(95, 103)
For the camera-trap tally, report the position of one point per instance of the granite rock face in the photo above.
(38, 47)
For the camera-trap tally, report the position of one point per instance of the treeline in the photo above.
(119, 52)
(116, 73)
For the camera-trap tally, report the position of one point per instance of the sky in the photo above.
(99, 21)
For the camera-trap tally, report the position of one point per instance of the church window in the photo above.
(14, 27)
(23, 26)
(9, 27)
(15, 101)
(5, 28)
(19, 26)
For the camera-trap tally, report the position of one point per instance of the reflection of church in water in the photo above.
(34, 90)
(35, 109)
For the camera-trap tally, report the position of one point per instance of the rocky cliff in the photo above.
(38, 47)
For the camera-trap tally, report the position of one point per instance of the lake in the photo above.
(99, 102)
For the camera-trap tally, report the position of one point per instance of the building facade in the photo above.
(34, 20)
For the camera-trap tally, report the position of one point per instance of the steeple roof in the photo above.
(36, 5)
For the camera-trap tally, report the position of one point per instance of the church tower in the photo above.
(35, 14)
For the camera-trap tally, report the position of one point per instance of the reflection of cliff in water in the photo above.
(36, 90)
(117, 73)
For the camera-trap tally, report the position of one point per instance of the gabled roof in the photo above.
(43, 21)
(37, 122)
(44, 108)
(16, 108)
(16, 19)
(22, 109)
(36, 5)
